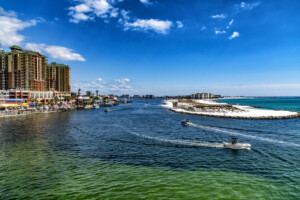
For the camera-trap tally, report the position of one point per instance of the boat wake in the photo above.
(179, 142)
(218, 130)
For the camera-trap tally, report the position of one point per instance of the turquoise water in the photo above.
(140, 151)
(280, 103)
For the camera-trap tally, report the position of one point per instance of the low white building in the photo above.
(202, 96)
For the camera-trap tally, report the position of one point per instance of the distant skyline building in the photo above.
(202, 96)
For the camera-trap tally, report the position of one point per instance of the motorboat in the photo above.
(185, 122)
(234, 144)
(96, 106)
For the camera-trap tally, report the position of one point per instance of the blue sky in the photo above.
(164, 47)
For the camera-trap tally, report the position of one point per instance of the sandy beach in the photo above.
(222, 110)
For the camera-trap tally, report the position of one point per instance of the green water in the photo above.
(35, 172)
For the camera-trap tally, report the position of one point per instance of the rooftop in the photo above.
(16, 47)
(58, 65)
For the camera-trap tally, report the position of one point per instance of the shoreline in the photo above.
(236, 117)
(33, 113)
(208, 108)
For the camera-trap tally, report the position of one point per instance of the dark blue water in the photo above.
(280, 103)
(134, 136)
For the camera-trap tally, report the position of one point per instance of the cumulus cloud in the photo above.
(219, 32)
(9, 13)
(156, 25)
(56, 52)
(234, 35)
(10, 26)
(89, 9)
(220, 16)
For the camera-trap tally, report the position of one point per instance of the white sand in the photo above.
(246, 111)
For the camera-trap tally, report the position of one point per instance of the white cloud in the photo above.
(219, 32)
(89, 9)
(220, 16)
(122, 81)
(56, 52)
(146, 2)
(35, 47)
(118, 85)
(248, 6)
(125, 14)
(203, 28)
(230, 23)
(10, 27)
(9, 13)
(234, 35)
(179, 24)
(63, 53)
(156, 25)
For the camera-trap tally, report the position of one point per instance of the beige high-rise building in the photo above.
(28, 70)
(59, 77)
(3, 70)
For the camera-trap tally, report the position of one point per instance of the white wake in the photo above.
(180, 142)
(218, 130)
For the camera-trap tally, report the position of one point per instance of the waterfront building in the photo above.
(150, 96)
(136, 96)
(3, 70)
(21, 96)
(51, 76)
(58, 76)
(3, 96)
(217, 96)
(28, 70)
(202, 96)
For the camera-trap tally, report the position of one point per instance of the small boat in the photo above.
(96, 107)
(234, 144)
(185, 122)
(106, 110)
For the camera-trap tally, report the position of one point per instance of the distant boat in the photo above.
(96, 107)
(106, 110)
(185, 122)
